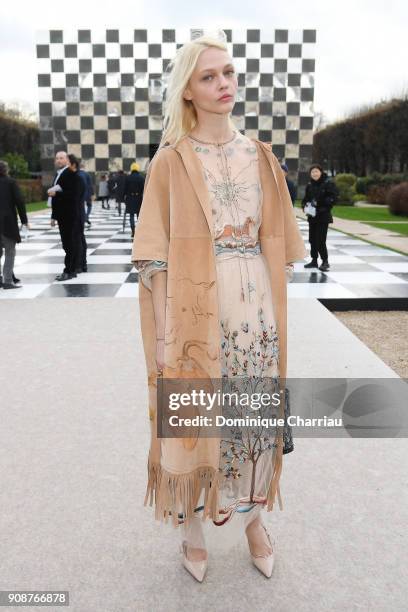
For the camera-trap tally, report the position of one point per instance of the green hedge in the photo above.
(32, 190)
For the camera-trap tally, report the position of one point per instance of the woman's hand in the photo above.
(160, 354)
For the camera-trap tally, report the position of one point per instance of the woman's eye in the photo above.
(210, 75)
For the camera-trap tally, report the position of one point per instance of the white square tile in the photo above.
(26, 291)
(96, 278)
(109, 259)
(392, 266)
(38, 268)
(21, 259)
(51, 253)
(114, 245)
(368, 251)
(128, 290)
(365, 278)
(33, 246)
(317, 290)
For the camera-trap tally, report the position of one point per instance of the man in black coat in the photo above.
(322, 194)
(65, 194)
(120, 190)
(133, 194)
(80, 240)
(11, 200)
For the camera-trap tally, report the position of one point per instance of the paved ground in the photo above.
(73, 448)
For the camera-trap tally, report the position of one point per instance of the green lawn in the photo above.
(372, 215)
(400, 228)
(33, 206)
(369, 213)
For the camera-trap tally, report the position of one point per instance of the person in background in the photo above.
(120, 190)
(112, 187)
(133, 193)
(291, 185)
(79, 231)
(103, 192)
(89, 192)
(11, 201)
(65, 194)
(321, 193)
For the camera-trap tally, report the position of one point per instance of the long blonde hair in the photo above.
(180, 116)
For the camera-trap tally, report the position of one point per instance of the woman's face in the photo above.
(315, 174)
(213, 85)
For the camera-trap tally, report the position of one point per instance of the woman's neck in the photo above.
(213, 131)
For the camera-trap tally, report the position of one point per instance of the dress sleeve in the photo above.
(147, 267)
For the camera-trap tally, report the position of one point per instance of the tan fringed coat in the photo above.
(175, 225)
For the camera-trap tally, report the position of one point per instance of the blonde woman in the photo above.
(214, 248)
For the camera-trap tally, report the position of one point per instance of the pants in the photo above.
(317, 239)
(10, 252)
(105, 200)
(80, 247)
(70, 236)
(132, 222)
(119, 206)
(88, 211)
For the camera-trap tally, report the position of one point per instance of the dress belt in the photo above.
(222, 247)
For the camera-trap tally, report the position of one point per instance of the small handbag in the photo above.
(310, 209)
(288, 445)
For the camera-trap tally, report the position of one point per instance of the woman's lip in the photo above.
(226, 97)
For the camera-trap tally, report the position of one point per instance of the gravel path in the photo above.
(385, 333)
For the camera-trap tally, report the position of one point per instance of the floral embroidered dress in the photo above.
(249, 339)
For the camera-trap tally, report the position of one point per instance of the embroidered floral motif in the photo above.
(255, 359)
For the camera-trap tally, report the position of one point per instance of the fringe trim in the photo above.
(274, 484)
(174, 493)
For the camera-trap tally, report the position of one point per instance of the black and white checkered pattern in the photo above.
(101, 92)
(362, 276)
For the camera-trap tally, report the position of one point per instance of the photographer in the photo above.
(320, 196)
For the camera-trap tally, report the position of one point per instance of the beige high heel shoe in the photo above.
(196, 568)
(264, 563)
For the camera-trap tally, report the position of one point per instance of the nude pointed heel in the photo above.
(265, 563)
(196, 568)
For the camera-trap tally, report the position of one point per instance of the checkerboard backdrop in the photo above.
(101, 92)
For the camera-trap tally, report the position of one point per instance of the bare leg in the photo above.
(192, 535)
(257, 539)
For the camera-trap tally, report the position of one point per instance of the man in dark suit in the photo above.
(133, 194)
(65, 195)
(11, 200)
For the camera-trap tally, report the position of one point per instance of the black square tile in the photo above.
(44, 80)
(98, 50)
(112, 36)
(84, 36)
(56, 36)
(80, 290)
(85, 65)
(140, 36)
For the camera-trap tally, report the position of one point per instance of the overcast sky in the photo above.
(361, 50)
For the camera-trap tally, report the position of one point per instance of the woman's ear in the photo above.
(187, 95)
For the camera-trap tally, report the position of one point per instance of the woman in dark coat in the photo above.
(133, 194)
(11, 201)
(322, 193)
